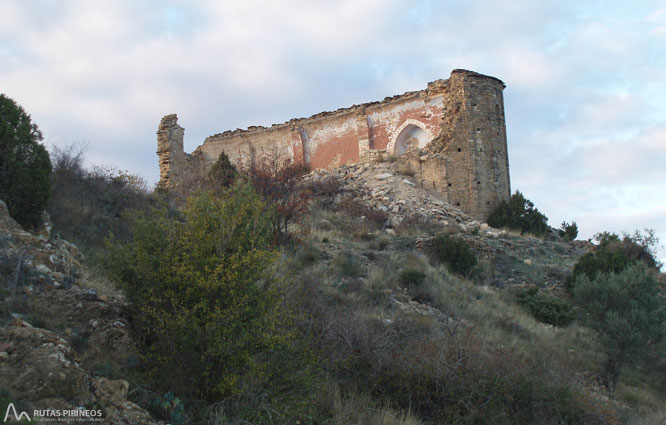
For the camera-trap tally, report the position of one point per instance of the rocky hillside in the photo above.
(396, 335)
(57, 332)
(389, 189)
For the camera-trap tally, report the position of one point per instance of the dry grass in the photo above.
(655, 417)
(356, 409)
(517, 234)
(96, 279)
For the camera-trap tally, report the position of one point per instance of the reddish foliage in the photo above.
(276, 178)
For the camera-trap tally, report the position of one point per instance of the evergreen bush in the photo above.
(547, 309)
(24, 165)
(519, 213)
(456, 253)
(568, 231)
(411, 277)
(223, 172)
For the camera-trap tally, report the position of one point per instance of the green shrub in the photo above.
(626, 310)
(568, 231)
(455, 252)
(348, 264)
(615, 254)
(519, 214)
(547, 309)
(24, 165)
(202, 298)
(603, 261)
(411, 277)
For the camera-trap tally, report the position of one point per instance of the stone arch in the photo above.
(411, 133)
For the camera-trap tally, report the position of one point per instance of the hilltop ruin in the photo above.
(451, 134)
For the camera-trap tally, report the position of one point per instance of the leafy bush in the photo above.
(547, 309)
(24, 165)
(199, 290)
(615, 254)
(626, 310)
(568, 231)
(519, 214)
(455, 252)
(411, 277)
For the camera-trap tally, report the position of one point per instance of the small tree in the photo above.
(568, 231)
(276, 178)
(519, 213)
(24, 165)
(626, 310)
(223, 172)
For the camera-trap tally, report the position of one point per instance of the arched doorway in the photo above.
(411, 137)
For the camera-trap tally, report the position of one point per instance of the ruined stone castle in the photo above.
(452, 135)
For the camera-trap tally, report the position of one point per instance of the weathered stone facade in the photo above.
(453, 135)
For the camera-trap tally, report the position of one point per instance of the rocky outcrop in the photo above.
(56, 331)
(388, 187)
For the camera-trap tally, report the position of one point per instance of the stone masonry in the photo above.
(452, 134)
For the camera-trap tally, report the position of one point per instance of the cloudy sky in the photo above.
(585, 98)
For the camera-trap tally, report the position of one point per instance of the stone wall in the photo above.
(452, 133)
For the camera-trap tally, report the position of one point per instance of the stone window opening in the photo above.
(449, 184)
(459, 150)
(457, 204)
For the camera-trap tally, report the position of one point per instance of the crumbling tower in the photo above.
(170, 151)
(468, 161)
